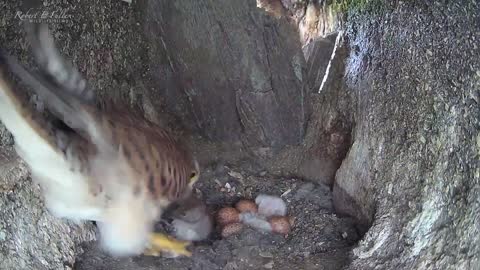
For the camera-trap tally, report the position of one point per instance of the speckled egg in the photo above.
(280, 224)
(231, 229)
(227, 215)
(246, 206)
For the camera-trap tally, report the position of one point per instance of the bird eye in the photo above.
(193, 177)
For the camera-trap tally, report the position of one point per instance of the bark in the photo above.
(392, 139)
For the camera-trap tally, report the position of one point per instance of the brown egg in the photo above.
(280, 224)
(227, 215)
(231, 229)
(246, 206)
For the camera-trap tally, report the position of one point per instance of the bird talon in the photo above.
(161, 243)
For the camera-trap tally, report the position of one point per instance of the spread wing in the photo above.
(57, 157)
(53, 66)
(106, 167)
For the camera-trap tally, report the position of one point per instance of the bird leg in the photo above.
(160, 242)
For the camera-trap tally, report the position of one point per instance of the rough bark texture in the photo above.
(31, 238)
(414, 71)
(330, 119)
(410, 99)
(229, 70)
(392, 140)
(313, 18)
(226, 71)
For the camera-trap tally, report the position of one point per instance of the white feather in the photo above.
(126, 226)
(128, 218)
(66, 192)
(125, 219)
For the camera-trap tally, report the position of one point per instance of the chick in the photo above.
(191, 220)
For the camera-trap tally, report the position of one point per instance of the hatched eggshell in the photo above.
(280, 224)
(227, 215)
(231, 229)
(246, 206)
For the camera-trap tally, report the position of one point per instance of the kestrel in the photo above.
(111, 167)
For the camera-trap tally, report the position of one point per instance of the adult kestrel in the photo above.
(111, 167)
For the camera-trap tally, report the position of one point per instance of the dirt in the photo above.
(319, 239)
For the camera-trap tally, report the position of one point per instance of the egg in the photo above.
(231, 229)
(280, 224)
(246, 206)
(227, 215)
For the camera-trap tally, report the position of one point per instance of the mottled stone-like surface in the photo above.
(392, 140)
(414, 71)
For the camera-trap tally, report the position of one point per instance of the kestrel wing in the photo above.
(72, 111)
(53, 65)
(58, 160)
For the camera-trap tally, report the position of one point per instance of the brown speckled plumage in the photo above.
(163, 164)
(111, 166)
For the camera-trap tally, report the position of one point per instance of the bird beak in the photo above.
(195, 174)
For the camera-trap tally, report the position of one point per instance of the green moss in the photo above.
(347, 6)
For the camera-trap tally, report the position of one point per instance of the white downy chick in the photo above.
(270, 205)
(192, 222)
